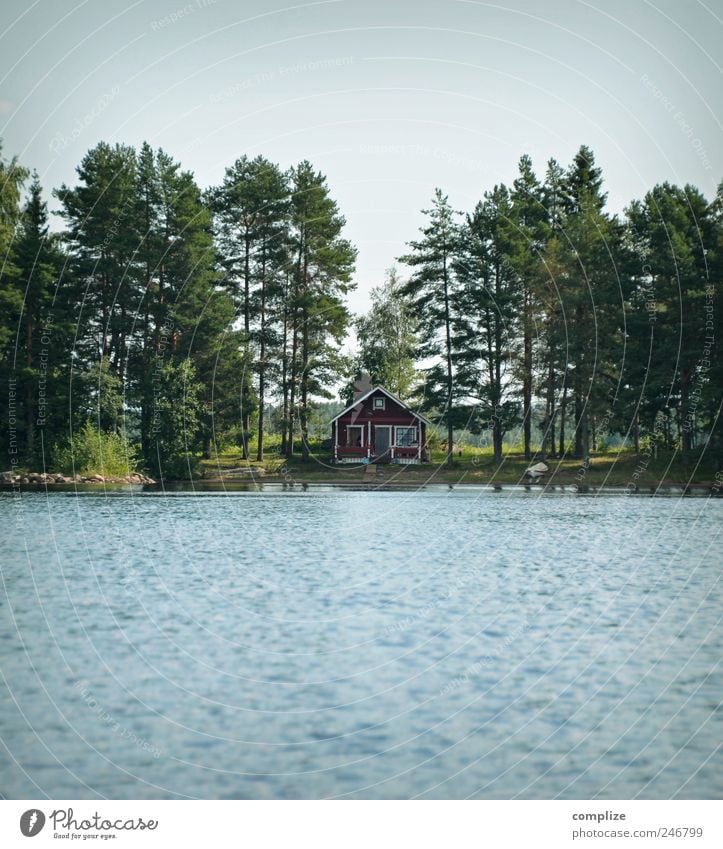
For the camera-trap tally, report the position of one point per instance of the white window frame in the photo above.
(360, 428)
(414, 444)
(379, 403)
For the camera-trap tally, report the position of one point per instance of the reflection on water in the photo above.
(439, 644)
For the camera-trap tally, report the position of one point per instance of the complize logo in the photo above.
(32, 822)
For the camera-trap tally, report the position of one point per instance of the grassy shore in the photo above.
(475, 466)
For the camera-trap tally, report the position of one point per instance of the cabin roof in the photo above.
(394, 398)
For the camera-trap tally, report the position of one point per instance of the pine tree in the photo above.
(487, 309)
(527, 240)
(12, 177)
(591, 292)
(251, 210)
(102, 239)
(432, 288)
(322, 267)
(672, 230)
(38, 262)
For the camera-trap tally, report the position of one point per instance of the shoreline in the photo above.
(204, 486)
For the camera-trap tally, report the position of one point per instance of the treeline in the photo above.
(541, 301)
(167, 315)
(174, 320)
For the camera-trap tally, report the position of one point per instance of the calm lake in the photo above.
(437, 644)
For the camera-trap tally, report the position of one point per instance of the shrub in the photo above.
(94, 452)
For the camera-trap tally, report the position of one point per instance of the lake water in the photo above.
(360, 644)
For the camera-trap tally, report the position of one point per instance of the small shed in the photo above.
(379, 428)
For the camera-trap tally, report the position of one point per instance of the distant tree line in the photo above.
(172, 319)
(541, 300)
(164, 314)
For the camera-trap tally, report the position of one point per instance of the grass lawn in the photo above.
(475, 466)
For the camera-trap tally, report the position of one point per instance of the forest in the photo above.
(157, 322)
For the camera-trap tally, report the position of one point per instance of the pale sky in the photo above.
(389, 98)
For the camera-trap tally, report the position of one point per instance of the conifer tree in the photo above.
(432, 288)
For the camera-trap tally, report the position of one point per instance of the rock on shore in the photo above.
(55, 477)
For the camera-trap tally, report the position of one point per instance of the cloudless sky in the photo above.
(389, 98)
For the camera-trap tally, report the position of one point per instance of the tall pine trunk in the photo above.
(563, 414)
(285, 372)
(684, 418)
(262, 364)
(578, 452)
(29, 396)
(245, 415)
(450, 379)
(303, 408)
(527, 376)
(550, 412)
(496, 377)
(636, 432)
(292, 387)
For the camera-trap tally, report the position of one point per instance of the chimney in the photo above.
(362, 385)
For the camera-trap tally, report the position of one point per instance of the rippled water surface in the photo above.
(360, 644)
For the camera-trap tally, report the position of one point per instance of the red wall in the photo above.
(392, 414)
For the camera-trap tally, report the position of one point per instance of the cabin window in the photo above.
(406, 436)
(355, 436)
(379, 403)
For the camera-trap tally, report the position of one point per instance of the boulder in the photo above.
(7, 477)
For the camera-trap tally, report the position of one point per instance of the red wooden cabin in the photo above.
(379, 428)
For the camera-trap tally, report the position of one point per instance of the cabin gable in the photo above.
(379, 428)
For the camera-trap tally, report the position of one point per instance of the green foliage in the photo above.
(387, 341)
(434, 440)
(488, 321)
(101, 396)
(322, 267)
(91, 451)
(196, 320)
(432, 288)
(175, 431)
(33, 334)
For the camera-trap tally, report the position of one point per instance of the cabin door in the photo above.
(382, 438)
